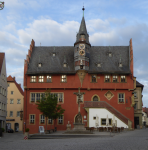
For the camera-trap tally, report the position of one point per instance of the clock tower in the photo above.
(82, 47)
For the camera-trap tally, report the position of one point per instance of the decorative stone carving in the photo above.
(133, 101)
(78, 118)
(81, 74)
(109, 95)
(68, 126)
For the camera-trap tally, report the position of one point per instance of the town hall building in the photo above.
(103, 73)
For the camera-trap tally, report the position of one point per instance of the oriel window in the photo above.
(107, 78)
(123, 79)
(94, 78)
(63, 78)
(33, 78)
(115, 78)
(41, 78)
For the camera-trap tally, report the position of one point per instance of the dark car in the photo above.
(10, 131)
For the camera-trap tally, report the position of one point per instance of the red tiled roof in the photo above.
(2, 55)
(10, 79)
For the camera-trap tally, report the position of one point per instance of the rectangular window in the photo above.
(49, 79)
(60, 97)
(103, 121)
(33, 79)
(42, 119)
(121, 97)
(11, 113)
(63, 78)
(18, 114)
(50, 121)
(135, 106)
(18, 101)
(135, 94)
(41, 78)
(38, 98)
(93, 78)
(60, 119)
(32, 119)
(123, 79)
(107, 78)
(11, 101)
(32, 97)
(42, 95)
(11, 92)
(115, 78)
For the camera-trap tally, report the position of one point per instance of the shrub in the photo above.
(27, 130)
(3, 129)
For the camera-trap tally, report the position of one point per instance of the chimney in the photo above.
(14, 78)
(20, 84)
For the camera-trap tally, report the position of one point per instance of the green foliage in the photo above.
(27, 130)
(3, 129)
(48, 105)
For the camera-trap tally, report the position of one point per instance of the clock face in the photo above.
(82, 52)
(81, 46)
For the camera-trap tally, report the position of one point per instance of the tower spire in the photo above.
(83, 10)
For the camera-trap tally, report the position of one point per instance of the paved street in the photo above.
(131, 140)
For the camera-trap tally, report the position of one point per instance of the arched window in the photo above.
(95, 98)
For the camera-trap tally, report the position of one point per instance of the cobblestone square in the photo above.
(130, 140)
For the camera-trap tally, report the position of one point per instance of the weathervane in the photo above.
(1, 5)
(83, 10)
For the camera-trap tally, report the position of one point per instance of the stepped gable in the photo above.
(2, 55)
(10, 79)
(54, 65)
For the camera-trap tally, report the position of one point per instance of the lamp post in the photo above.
(1, 5)
(21, 114)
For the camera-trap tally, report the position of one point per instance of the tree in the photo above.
(49, 107)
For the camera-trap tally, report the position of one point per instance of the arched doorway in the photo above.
(8, 126)
(16, 127)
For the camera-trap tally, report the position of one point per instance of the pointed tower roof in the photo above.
(82, 29)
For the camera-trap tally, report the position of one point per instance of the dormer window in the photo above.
(120, 64)
(65, 65)
(39, 65)
(110, 54)
(82, 37)
(98, 64)
(53, 54)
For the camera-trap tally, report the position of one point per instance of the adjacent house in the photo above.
(138, 104)
(3, 91)
(103, 73)
(15, 103)
(145, 116)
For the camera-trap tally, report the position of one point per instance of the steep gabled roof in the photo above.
(2, 55)
(138, 84)
(10, 79)
(54, 65)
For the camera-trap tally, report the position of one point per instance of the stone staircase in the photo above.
(103, 104)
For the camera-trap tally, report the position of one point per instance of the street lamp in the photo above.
(1, 5)
(21, 114)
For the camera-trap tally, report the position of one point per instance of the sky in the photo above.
(56, 22)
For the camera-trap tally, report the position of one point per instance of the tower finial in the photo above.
(83, 10)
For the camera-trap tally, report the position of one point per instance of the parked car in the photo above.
(10, 131)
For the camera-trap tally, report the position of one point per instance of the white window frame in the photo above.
(50, 121)
(32, 119)
(18, 114)
(37, 97)
(123, 78)
(60, 119)
(11, 113)
(49, 79)
(107, 78)
(18, 101)
(42, 119)
(11, 101)
(115, 78)
(121, 99)
(32, 97)
(41, 79)
(64, 78)
(33, 79)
